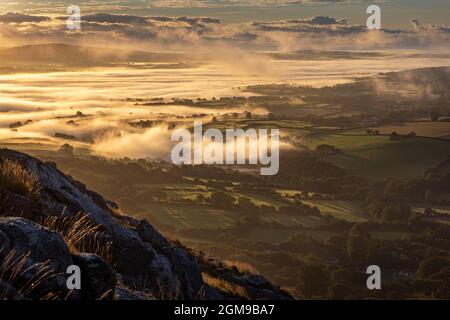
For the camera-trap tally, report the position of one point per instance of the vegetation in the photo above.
(29, 281)
(15, 178)
(225, 287)
(80, 234)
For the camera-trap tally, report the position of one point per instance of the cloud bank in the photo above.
(189, 33)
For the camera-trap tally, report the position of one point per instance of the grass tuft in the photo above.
(15, 272)
(80, 234)
(242, 267)
(225, 286)
(15, 178)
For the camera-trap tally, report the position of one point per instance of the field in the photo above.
(345, 210)
(377, 156)
(369, 156)
(421, 128)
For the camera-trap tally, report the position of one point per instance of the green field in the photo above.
(377, 156)
(260, 200)
(345, 210)
(189, 216)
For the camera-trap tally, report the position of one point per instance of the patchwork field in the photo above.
(185, 216)
(378, 156)
(345, 210)
(421, 128)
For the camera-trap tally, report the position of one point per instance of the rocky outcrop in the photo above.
(99, 280)
(60, 223)
(33, 256)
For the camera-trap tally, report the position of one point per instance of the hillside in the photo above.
(49, 221)
(74, 55)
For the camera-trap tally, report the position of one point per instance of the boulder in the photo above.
(98, 279)
(39, 256)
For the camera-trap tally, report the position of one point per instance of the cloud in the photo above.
(208, 33)
(318, 24)
(16, 17)
(429, 27)
(320, 20)
(119, 143)
(240, 3)
(114, 18)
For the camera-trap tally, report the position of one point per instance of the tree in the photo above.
(339, 291)
(357, 243)
(66, 149)
(200, 198)
(394, 136)
(151, 195)
(434, 116)
(343, 275)
(246, 205)
(357, 248)
(313, 281)
(221, 199)
(428, 196)
(430, 266)
(394, 213)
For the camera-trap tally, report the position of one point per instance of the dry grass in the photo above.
(162, 294)
(13, 271)
(242, 267)
(80, 234)
(225, 286)
(15, 178)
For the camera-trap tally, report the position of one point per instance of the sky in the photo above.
(396, 13)
(256, 24)
(229, 44)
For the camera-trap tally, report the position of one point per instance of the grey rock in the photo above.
(38, 247)
(8, 292)
(98, 280)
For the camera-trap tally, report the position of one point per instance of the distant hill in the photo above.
(325, 55)
(58, 53)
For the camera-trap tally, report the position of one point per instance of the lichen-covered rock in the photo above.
(123, 293)
(98, 279)
(8, 292)
(60, 194)
(184, 265)
(15, 205)
(39, 257)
